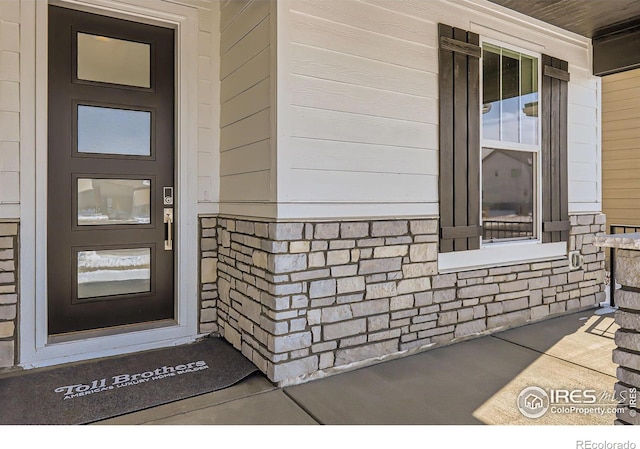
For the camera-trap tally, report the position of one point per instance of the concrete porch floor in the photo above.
(472, 382)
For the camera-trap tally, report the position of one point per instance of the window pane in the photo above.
(114, 131)
(113, 272)
(529, 101)
(116, 61)
(507, 194)
(491, 93)
(113, 201)
(510, 96)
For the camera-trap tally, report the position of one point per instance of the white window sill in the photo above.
(501, 255)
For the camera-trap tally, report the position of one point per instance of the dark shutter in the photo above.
(555, 201)
(459, 59)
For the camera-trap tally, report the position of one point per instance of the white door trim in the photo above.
(34, 347)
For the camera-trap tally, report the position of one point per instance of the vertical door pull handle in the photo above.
(168, 229)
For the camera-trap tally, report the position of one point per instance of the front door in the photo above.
(110, 250)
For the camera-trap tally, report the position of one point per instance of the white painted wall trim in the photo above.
(215, 108)
(598, 132)
(208, 208)
(277, 35)
(585, 208)
(500, 255)
(9, 211)
(281, 96)
(34, 347)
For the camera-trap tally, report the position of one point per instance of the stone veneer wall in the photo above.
(208, 275)
(627, 352)
(8, 293)
(298, 298)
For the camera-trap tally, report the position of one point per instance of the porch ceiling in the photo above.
(589, 18)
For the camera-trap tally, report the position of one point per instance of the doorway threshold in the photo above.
(107, 332)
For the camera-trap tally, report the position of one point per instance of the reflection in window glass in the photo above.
(529, 101)
(507, 194)
(491, 93)
(108, 60)
(113, 272)
(510, 96)
(114, 131)
(113, 201)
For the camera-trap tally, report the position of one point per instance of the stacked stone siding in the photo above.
(208, 275)
(298, 298)
(8, 293)
(627, 353)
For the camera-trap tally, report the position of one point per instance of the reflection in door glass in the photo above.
(110, 60)
(113, 272)
(114, 131)
(113, 201)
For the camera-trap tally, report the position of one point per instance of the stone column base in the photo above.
(627, 353)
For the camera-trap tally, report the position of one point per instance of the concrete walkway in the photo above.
(473, 382)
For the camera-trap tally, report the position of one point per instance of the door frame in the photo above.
(36, 347)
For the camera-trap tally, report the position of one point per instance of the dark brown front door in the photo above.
(110, 252)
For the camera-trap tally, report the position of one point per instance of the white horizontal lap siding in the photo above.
(343, 186)
(331, 95)
(363, 105)
(359, 122)
(348, 156)
(584, 136)
(9, 108)
(245, 102)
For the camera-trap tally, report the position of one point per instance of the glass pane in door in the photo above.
(113, 201)
(113, 272)
(116, 61)
(114, 131)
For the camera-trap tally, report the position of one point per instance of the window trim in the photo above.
(501, 254)
(514, 146)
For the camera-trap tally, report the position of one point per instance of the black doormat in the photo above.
(89, 392)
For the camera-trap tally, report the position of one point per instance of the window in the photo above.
(508, 195)
(510, 145)
(503, 147)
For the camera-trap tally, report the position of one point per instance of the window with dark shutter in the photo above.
(459, 139)
(493, 189)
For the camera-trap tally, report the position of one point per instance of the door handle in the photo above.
(168, 228)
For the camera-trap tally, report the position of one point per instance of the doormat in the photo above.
(93, 391)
